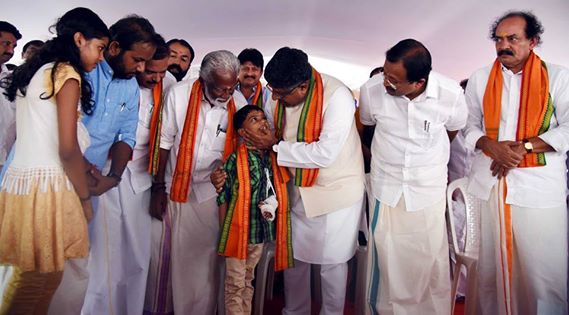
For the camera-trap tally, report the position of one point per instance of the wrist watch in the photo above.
(528, 145)
(115, 176)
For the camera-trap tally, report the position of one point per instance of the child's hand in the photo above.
(218, 178)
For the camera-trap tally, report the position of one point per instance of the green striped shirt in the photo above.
(260, 230)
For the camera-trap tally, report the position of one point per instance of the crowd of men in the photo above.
(155, 229)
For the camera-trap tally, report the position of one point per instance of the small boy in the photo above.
(254, 189)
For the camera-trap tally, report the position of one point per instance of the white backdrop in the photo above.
(344, 38)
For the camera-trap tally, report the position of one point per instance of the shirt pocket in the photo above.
(424, 126)
(218, 143)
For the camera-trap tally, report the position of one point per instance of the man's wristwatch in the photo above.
(115, 176)
(528, 145)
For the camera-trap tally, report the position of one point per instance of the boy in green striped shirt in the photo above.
(261, 228)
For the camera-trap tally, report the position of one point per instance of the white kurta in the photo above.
(537, 196)
(329, 238)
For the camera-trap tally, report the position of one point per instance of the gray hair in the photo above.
(219, 60)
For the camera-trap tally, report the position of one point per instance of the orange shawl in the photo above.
(155, 127)
(536, 107)
(184, 163)
(258, 97)
(235, 233)
(309, 126)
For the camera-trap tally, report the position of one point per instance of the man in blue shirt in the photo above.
(112, 128)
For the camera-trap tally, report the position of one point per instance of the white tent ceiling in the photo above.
(343, 38)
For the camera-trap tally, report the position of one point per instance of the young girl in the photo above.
(44, 196)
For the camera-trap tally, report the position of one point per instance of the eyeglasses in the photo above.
(283, 94)
(391, 84)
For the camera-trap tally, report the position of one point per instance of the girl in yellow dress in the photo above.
(44, 197)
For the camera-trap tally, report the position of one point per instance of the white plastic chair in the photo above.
(264, 278)
(467, 256)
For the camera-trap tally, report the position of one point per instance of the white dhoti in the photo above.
(408, 261)
(120, 251)
(539, 259)
(329, 240)
(195, 264)
(158, 299)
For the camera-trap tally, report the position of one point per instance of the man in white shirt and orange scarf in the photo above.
(197, 135)
(519, 126)
(319, 144)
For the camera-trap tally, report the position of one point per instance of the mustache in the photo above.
(175, 67)
(505, 52)
(249, 77)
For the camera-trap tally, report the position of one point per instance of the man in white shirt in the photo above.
(323, 155)
(518, 125)
(200, 108)
(9, 36)
(415, 112)
(250, 87)
(120, 265)
(181, 57)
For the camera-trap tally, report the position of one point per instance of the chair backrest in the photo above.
(472, 215)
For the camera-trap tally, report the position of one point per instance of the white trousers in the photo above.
(297, 288)
(539, 264)
(408, 261)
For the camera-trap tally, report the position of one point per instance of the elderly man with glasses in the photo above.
(416, 113)
(196, 136)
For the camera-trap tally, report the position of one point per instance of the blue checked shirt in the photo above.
(115, 115)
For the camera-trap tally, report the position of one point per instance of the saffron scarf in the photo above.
(258, 97)
(155, 127)
(184, 163)
(235, 232)
(309, 126)
(536, 105)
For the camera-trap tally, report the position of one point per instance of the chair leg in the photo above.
(261, 282)
(471, 289)
(456, 277)
(270, 280)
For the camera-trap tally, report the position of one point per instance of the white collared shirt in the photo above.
(140, 178)
(210, 137)
(7, 120)
(534, 187)
(410, 146)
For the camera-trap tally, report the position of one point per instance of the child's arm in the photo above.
(69, 152)
(222, 213)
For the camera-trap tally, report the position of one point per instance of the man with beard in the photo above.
(112, 129)
(9, 36)
(250, 86)
(181, 57)
(197, 134)
(416, 113)
(126, 205)
(318, 142)
(518, 127)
